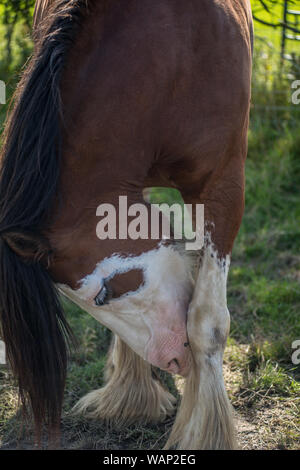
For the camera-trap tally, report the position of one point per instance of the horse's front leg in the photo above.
(132, 392)
(205, 420)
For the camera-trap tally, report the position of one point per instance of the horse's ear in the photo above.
(30, 247)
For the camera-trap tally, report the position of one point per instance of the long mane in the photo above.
(33, 324)
(40, 9)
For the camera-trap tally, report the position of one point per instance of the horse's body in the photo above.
(152, 94)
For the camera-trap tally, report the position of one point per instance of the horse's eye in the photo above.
(102, 297)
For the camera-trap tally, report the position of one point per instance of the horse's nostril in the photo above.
(173, 361)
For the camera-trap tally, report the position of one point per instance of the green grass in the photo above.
(273, 380)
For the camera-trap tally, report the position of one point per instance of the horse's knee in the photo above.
(208, 335)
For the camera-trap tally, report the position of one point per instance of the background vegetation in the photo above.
(264, 283)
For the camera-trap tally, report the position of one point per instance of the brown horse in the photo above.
(121, 95)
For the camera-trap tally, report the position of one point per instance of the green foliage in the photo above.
(16, 10)
(16, 43)
(270, 13)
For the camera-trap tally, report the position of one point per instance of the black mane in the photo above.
(33, 324)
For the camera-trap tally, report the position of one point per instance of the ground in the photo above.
(265, 418)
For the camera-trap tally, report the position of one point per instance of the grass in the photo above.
(263, 292)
